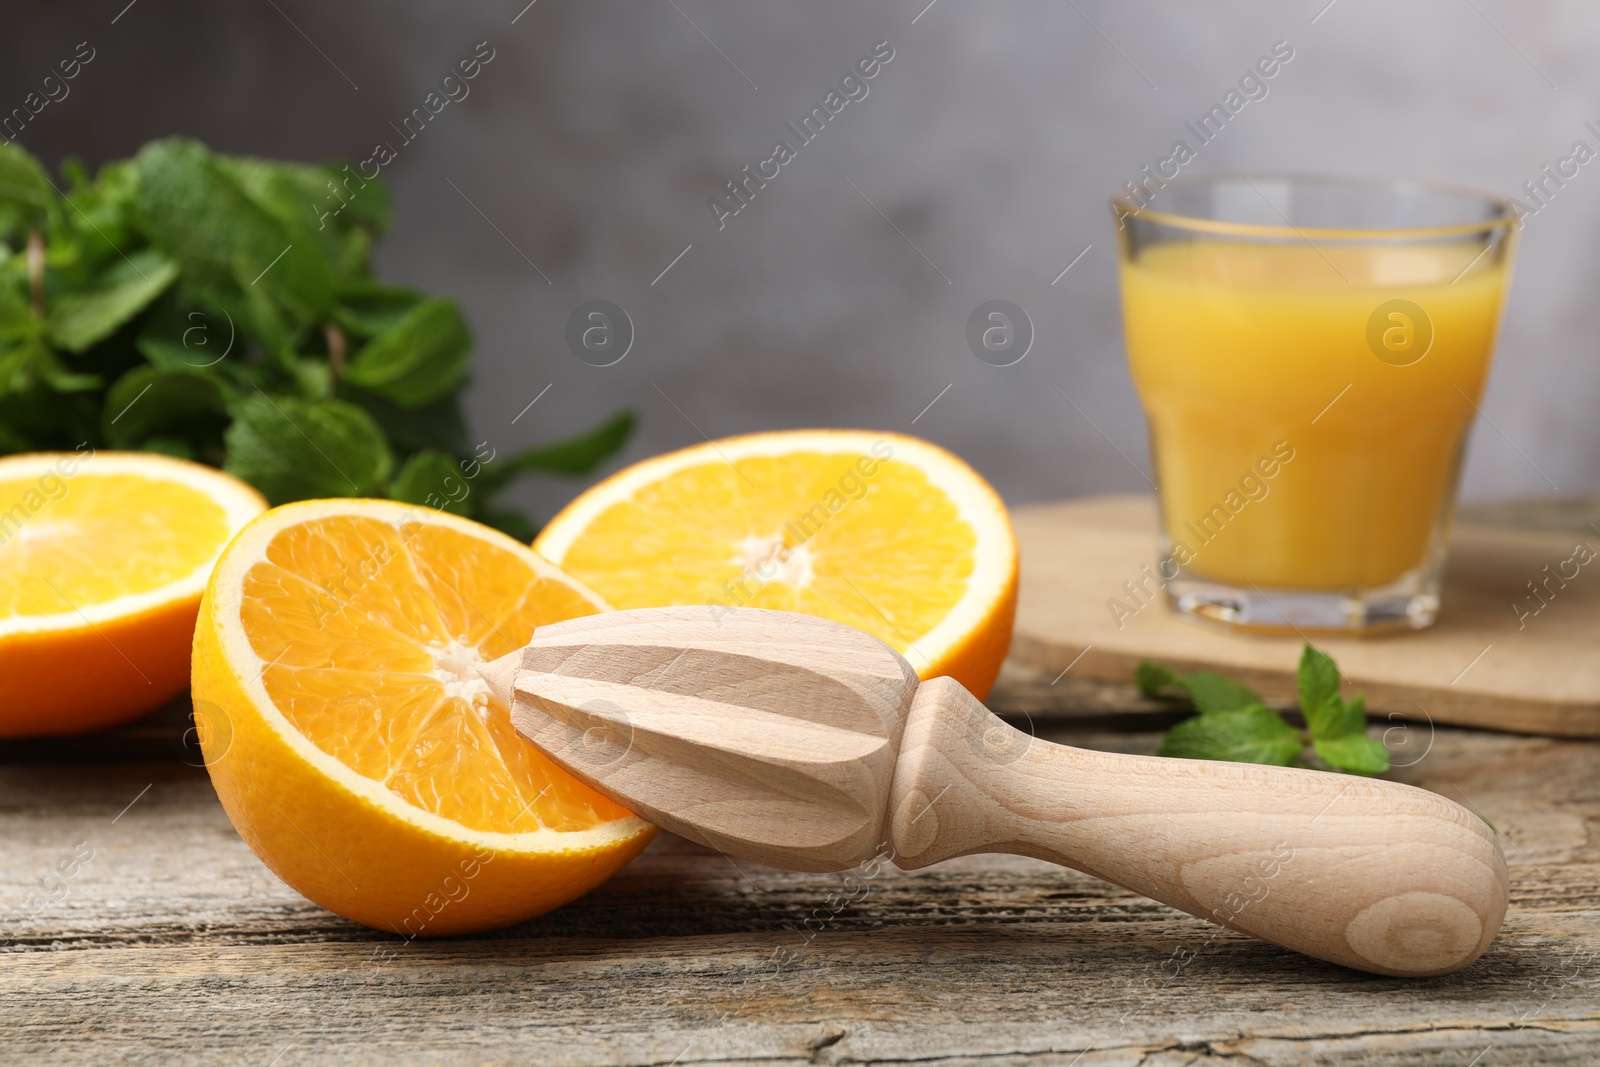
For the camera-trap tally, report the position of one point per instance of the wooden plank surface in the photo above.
(172, 944)
(1482, 664)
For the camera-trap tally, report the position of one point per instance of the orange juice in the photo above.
(1307, 434)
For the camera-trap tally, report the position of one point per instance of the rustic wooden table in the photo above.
(136, 927)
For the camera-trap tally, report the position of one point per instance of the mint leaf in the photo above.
(434, 479)
(81, 319)
(1234, 725)
(189, 401)
(1151, 678)
(1341, 719)
(91, 228)
(299, 196)
(186, 304)
(278, 328)
(26, 195)
(1355, 753)
(195, 211)
(1318, 676)
(1213, 693)
(419, 359)
(294, 449)
(46, 367)
(368, 309)
(298, 193)
(439, 425)
(1319, 691)
(513, 524)
(1327, 716)
(183, 336)
(1246, 735)
(16, 317)
(41, 403)
(574, 456)
(1209, 691)
(163, 353)
(176, 447)
(312, 377)
(581, 454)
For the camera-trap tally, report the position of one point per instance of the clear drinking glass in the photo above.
(1310, 352)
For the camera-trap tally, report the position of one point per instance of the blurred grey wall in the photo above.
(977, 167)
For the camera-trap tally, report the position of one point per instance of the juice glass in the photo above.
(1310, 352)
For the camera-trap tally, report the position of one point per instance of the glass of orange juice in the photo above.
(1310, 352)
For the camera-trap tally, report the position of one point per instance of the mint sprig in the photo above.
(223, 309)
(1234, 724)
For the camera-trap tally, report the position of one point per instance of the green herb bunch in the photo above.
(1234, 724)
(223, 309)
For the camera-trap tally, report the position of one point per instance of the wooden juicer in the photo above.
(805, 744)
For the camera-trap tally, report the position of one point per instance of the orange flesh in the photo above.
(371, 634)
(841, 535)
(55, 536)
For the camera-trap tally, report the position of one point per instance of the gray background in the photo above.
(991, 141)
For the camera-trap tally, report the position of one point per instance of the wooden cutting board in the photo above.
(1479, 665)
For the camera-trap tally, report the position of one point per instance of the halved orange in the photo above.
(103, 557)
(885, 532)
(351, 740)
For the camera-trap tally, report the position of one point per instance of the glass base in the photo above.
(1409, 603)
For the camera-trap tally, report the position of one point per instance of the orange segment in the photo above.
(364, 565)
(103, 557)
(887, 533)
(480, 605)
(339, 646)
(372, 634)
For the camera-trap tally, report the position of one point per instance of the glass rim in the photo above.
(1504, 218)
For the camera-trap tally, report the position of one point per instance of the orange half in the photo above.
(349, 735)
(885, 532)
(103, 557)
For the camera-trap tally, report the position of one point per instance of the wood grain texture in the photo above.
(1375, 875)
(768, 735)
(773, 737)
(1482, 664)
(174, 945)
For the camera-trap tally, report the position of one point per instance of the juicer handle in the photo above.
(1374, 875)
